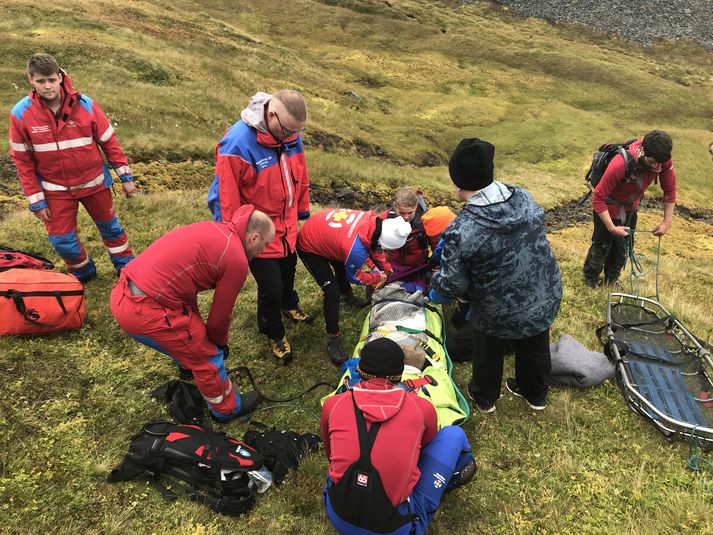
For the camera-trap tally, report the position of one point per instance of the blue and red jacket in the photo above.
(62, 152)
(345, 236)
(254, 168)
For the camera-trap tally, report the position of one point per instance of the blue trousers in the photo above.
(447, 453)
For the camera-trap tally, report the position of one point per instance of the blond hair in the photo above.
(406, 197)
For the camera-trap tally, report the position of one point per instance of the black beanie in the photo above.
(381, 358)
(471, 165)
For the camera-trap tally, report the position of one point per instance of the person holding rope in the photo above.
(155, 301)
(389, 466)
(616, 199)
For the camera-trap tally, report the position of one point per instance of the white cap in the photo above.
(394, 232)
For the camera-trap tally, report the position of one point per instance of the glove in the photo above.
(226, 351)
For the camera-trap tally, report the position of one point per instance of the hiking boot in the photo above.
(249, 401)
(354, 301)
(591, 283)
(511, 385)
(297, 316)
(483, 406)
(334, 349)
(463, 477)
(281, 350)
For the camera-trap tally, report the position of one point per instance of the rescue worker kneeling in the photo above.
(388, 464)
(155, 301)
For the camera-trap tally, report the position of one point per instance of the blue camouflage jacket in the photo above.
(497, 254)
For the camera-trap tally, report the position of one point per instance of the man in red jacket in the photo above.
(57, 136)
(388, 463)
(341, 246)
(155, 301)
(260, 161)
(617, 197)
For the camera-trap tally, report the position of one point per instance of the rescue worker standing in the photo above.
(57, 136)
(389, 466)
(155, 301)
(340, 247)
(260, 161)
(615, 201)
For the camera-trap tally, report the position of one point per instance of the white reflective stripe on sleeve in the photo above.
(106, 135)
(80, 265)
(36, 197)
(21, 147)
(119, 249)
(56, 187)
(45, 147)
(76, 142)
(123, 170)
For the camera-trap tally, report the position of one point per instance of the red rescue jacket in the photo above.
(345, 236)
(187, 260)
(409, 424)
(63, 153)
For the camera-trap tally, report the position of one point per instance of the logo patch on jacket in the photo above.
(265, 162)
(39, 129)
(362, 480)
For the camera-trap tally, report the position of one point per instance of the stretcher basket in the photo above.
(664, 372)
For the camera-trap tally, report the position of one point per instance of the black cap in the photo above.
(471, 165)
(381, 358)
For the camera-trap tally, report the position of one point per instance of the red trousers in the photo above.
(180, 334)
(62, 230)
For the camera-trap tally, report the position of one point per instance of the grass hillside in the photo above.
(391, 87)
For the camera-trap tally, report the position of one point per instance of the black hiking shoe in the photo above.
(334, 349)
(511, 385)
(354, 301)
(483, 406)
(463, 477)
(249, 401)
(591, 283)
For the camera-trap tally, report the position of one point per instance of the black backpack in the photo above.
(214, 466)
(283, 450)
(604, 155)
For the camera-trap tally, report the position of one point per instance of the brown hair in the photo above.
(42, 63)
(405, 197)
(294, 103)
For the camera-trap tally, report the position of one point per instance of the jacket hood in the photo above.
(254, 115)
(378, 399)
(239, 221)
(505, 215)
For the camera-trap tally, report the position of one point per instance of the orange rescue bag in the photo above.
(39, 301)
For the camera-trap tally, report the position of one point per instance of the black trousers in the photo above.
(331, 277)
(607, 252)
(460, 345)
(275, 279)
(532, 365)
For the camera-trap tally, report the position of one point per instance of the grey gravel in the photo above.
(639, 21)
